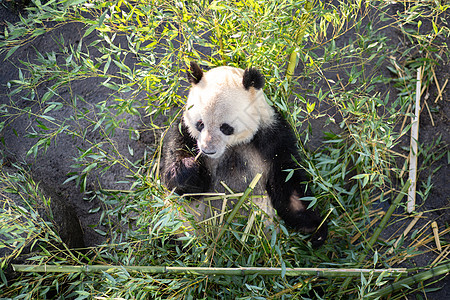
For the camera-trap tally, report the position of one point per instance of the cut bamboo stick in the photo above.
(293, 57)
(411, 202)
(436, 235)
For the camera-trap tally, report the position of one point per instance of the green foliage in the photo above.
(139, 51)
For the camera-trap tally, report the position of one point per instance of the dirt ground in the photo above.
(51, 168)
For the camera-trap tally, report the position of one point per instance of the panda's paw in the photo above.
(185, 176)
(319, 236)
(306, 220)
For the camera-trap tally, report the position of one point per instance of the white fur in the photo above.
(220, 97)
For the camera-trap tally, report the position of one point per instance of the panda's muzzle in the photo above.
(210, 144)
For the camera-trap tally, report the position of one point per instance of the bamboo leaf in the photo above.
(11, 52)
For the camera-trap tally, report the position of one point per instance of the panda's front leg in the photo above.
(186, 175)
(180, 170)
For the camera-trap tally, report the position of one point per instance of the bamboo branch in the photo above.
(428, 239)
(238, 271)
(387, 216)
(293, 288)
(411, 202)
(374, 220)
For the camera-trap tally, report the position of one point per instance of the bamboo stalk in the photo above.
(249, 226)
(292, 64)
(377, 232)
(411, 202)
(388, 214)
(358, 235)
(340, 82)
(238, 271)
(417, 278)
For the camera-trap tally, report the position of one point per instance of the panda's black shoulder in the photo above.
(276, 138)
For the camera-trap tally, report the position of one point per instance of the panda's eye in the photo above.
(199, 125)
(226, 129)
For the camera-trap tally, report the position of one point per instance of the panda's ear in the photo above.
(253, 78)
(194, 74)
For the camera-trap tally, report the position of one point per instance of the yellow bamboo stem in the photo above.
(436, 235)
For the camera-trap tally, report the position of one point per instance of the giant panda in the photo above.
(227, 134)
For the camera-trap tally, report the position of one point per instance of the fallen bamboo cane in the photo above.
(417, 278)
(411, 202)
(239, 271)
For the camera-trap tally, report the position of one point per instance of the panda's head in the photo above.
(225, 107)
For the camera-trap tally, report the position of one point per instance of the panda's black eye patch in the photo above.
(199, 125)
(226, 129)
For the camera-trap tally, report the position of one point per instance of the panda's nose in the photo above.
(209, 152)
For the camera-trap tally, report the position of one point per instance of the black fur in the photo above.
(195, 73)
(279, 145)
(276, 144)
(253, 78)
(180, 171)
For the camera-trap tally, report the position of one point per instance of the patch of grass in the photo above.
(139, 52)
